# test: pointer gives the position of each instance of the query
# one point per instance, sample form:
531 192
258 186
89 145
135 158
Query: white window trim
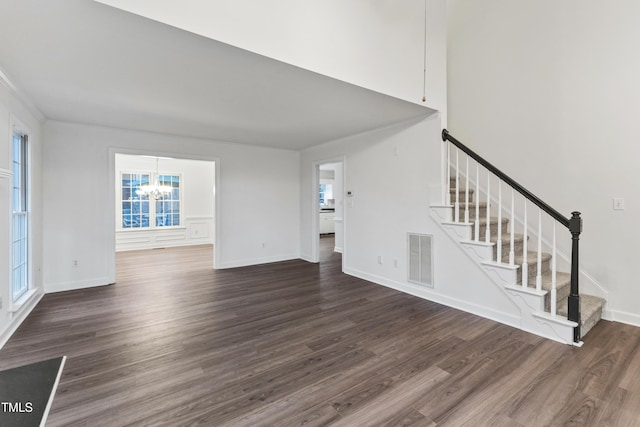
18 128
152 207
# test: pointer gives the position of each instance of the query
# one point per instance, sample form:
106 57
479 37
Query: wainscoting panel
196 231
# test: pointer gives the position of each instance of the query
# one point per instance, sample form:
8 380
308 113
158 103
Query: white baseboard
430 295
19 317
306 257
72 286
257 261
623 317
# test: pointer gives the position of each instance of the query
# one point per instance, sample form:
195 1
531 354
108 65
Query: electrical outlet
380 259
618 204
395 262
74 263
0 302
264 245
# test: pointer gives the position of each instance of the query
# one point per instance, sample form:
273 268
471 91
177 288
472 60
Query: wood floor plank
177 343
383 408
310 402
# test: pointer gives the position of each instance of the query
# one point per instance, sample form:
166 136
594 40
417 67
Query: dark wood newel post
575 227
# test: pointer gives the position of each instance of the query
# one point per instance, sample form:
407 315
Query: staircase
527 274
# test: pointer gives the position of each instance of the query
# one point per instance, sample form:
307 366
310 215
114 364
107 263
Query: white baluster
499 242
525 265
448 184
466 194
477 227
487 233
553 273
512 253
457 205
539 272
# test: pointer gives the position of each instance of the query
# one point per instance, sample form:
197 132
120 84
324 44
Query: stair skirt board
534 304
556 329
430 294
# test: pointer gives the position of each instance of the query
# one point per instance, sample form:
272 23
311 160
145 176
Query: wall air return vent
420 259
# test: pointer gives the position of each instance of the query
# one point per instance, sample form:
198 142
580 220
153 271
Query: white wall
197 204
374 44
549 91
257 198
14 112
389 173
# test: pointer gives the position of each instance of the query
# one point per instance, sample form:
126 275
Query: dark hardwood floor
175 343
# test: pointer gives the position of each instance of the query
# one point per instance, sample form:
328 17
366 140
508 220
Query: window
326 193
168 208
138 209
20 220
135 207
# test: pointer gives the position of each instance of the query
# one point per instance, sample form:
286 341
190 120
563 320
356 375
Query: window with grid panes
168 207
142 212
20 226
135 207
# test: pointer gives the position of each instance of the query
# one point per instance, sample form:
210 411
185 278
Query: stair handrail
573 224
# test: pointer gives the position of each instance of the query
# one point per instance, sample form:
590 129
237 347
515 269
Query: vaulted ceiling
81 61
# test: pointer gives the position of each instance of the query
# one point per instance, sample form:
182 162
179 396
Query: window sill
156 229
22 301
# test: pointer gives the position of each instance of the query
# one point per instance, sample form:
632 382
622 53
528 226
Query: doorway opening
163 201
328 239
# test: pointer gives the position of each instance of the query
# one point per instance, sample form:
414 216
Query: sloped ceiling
84 62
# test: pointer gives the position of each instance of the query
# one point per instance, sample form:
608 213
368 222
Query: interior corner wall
257 200
13 110
389 173
549 92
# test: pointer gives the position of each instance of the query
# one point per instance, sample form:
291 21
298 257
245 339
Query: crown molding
19 95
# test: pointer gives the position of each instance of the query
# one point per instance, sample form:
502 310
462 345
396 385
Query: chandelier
154 190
